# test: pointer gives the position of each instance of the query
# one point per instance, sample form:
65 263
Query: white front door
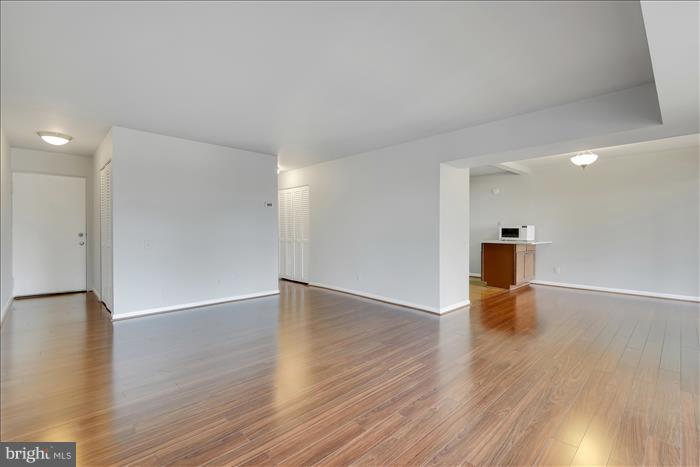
49 242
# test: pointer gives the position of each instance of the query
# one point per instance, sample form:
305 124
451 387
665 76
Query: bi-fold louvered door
106 280
294 234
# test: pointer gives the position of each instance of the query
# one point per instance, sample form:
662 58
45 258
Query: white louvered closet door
282 234
289 236
294 233
106 280
301 217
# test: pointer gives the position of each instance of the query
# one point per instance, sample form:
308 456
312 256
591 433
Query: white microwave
523 233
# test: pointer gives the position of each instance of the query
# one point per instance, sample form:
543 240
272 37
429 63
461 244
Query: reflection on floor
535 376
478 290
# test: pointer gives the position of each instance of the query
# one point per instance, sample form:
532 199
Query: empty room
336 232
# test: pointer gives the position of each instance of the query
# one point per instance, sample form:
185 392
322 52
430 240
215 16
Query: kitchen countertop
518 242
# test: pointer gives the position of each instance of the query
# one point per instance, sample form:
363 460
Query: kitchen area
508 262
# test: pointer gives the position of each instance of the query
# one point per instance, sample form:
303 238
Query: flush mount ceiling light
51 137
584 159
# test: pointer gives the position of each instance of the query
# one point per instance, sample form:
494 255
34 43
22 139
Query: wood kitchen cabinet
507 265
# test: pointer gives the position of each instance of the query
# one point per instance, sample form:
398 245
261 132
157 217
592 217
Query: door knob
82 243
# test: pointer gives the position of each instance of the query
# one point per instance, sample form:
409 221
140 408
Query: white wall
626 222
44 162
454 237
374 225
52 163
5 226
190 222
389 225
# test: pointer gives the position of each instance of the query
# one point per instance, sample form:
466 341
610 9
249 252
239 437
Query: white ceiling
308 81
646 147
487 170
656 146
503 168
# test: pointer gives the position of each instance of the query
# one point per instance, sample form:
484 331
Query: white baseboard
455 306
641 293
186 306
5 309
97 294
393 301
475 274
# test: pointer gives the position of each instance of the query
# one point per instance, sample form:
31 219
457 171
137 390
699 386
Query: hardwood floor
538 376
479 291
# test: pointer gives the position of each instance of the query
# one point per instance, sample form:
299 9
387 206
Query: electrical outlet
146 244
357 276
557 269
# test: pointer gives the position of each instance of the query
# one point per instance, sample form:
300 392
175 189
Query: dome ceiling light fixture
584 159
56 139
